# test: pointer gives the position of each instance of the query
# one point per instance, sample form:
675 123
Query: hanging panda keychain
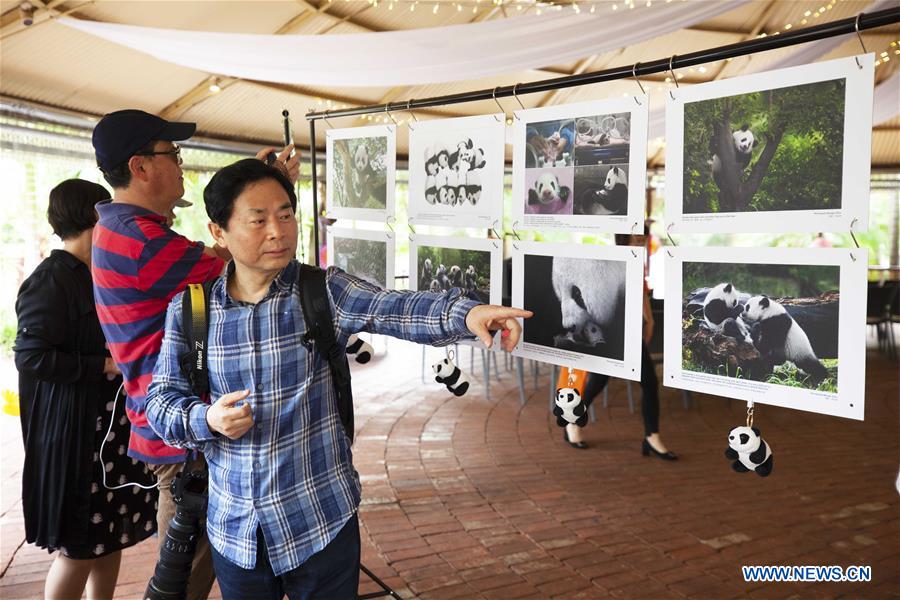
570 406
748 449
446 372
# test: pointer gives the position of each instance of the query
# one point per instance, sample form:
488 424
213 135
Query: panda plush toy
749 451
450 375
361 349
570 408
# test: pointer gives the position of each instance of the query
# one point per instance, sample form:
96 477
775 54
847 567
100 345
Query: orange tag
577 378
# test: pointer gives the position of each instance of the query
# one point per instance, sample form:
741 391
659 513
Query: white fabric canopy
886 105
410 57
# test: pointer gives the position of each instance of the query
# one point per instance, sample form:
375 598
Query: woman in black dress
68 386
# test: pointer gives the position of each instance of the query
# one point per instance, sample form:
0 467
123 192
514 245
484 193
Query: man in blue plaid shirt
283 492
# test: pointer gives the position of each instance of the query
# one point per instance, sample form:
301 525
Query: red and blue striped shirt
138 265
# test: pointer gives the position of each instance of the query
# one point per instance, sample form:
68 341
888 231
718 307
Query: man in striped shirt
283 492
138 265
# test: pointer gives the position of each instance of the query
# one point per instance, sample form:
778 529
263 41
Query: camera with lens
170 579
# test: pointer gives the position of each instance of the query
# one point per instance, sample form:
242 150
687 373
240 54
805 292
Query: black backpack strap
320 329
195 323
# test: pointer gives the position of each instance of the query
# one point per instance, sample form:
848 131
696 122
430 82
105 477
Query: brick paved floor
475 498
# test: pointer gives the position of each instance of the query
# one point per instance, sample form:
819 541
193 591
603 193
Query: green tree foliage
449 257
804 123
775 281
364 258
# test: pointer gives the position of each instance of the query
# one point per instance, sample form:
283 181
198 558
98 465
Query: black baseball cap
120 134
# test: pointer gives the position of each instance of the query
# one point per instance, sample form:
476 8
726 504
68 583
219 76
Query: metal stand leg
606 395
536 370
630 397
553 377
520 371
485 361
385 590
423 364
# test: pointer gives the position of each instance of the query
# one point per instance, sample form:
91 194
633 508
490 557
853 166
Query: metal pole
880 18
315 190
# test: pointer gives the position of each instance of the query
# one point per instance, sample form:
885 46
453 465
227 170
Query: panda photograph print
456 171
360 167
439 264
580 167
586 302
786 327
786 150
364 253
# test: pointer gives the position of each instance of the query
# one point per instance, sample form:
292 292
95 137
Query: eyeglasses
176 153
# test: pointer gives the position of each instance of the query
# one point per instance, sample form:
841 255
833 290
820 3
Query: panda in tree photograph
601 190
586 311
441 269
770 150
359 179
549 191
772 323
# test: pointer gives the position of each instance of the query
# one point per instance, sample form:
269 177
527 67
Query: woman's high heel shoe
579 445
647 449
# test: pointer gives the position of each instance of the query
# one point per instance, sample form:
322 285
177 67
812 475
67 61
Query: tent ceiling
59 67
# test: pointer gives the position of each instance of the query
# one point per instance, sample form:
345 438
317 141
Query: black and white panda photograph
601 190
368 255
578 304
773 323
456 171
360 171
776 149
440 269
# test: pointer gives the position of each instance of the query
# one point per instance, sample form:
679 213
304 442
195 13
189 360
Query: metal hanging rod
846 26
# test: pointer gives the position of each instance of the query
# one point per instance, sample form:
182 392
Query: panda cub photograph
585 313
549 191
441 269
771 323
359 179
769 150
453 170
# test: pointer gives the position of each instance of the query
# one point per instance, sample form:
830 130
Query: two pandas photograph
772 323
780 326
580 166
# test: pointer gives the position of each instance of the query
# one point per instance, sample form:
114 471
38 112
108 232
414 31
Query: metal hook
325 118
390 116
517 100
390 223
669 252
856 26
674 77
633 253
749 413
503 110
668 235
638 81
633 227
852 223
411 114
412 231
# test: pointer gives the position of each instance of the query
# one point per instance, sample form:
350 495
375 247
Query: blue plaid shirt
292 472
